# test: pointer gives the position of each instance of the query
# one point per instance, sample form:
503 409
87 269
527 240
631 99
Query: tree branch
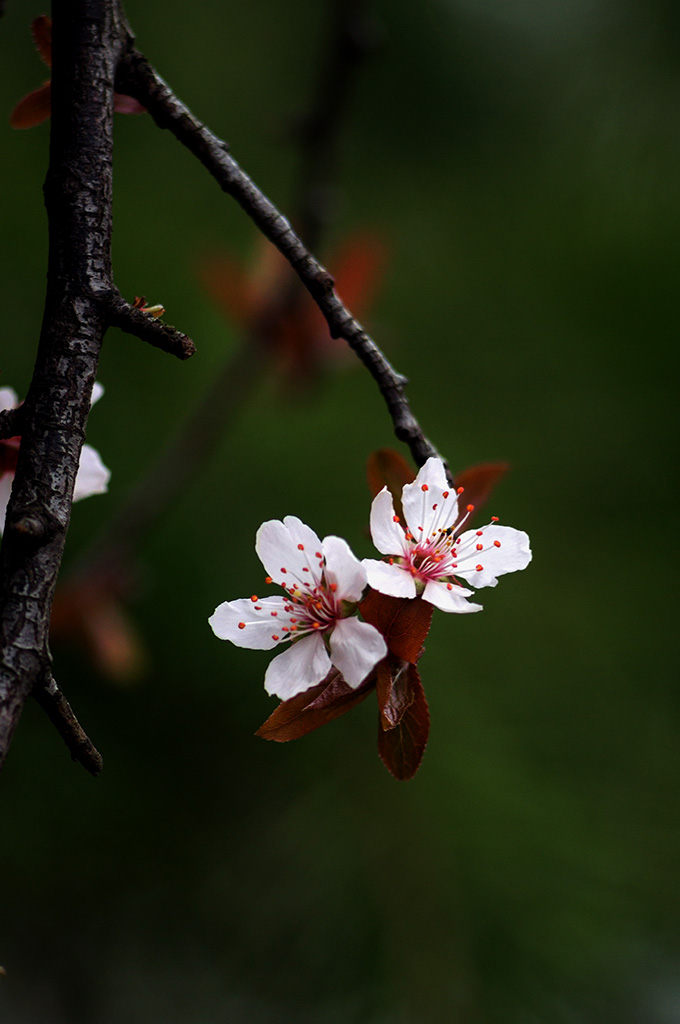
137 78
146 327
58 710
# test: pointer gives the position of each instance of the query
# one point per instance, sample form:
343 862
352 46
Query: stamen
424 487
496 543
283 569
470 508
275 636
241 625
254 598
479 568
459 490
480 547
301 547
396 519
445 494
494 519
268 579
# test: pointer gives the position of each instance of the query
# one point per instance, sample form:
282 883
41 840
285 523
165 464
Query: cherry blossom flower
92 478
428 555
323 581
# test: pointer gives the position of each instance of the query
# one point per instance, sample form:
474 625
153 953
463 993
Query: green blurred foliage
522 162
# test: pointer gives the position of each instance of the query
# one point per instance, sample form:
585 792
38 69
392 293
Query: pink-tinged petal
454 600
343 569
430 503
124 104
356 648
6 481
8 399
93 476
503 550
289 551
389 579
97 392
388 536
304 664
256 625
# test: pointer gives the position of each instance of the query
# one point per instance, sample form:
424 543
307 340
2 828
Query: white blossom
92 477
323 581
428 555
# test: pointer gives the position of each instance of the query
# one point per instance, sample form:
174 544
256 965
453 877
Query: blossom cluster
426 556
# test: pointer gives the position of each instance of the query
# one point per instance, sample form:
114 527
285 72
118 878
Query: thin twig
58 710
138 78
146 327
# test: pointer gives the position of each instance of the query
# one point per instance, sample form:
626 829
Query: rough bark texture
78 201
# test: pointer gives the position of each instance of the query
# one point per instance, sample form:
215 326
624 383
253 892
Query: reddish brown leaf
33 109
358 268
401 746
478 483
313 708
41 30
387 468
404 622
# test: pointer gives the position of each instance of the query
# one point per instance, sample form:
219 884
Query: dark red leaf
33 109
401 746
387 468
478 483
41 30
313 708
404 622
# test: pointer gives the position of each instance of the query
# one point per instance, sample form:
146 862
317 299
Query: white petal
97 392
388 536
93 476
512 555
453 600
356 647
389 579
289 551
430 503
6 481
304 664
344 569
263 622
8 399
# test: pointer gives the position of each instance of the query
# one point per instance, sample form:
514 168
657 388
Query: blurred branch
137 78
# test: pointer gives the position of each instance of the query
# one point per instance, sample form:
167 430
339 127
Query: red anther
258 607
305 569
301 547
283 570
241 625
274 614
479 568
275 636
445 494
268 579
391 561
316 625
449 586
424 487
293 620
479 533
494 519
480 547
434 506
254 598
333 587
496 543
396 519
317 554
459 490
470 508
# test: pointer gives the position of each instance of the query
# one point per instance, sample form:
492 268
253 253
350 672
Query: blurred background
502 192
